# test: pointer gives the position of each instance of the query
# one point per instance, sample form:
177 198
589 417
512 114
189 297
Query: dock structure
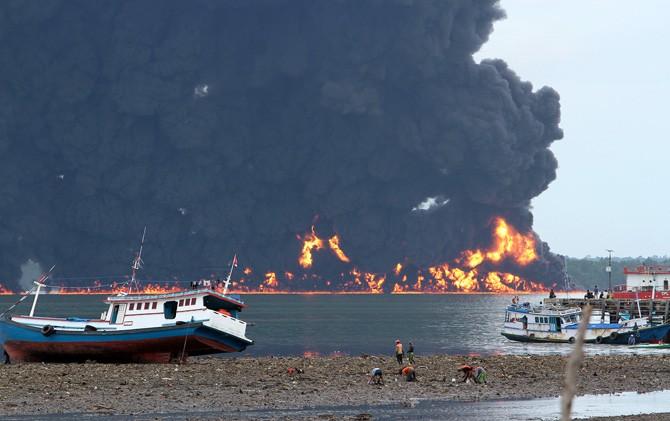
658 311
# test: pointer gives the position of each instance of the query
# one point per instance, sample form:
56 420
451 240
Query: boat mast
230 274
137 264
40 284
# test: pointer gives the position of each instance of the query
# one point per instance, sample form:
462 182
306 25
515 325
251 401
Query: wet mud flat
263 386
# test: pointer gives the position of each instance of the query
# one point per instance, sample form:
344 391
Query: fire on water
463 275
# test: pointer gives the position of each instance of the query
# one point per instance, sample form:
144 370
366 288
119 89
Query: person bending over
409 373
376 376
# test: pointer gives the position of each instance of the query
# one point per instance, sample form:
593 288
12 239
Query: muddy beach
228 385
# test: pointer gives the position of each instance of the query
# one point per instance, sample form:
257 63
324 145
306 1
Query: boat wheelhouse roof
221 301
546 309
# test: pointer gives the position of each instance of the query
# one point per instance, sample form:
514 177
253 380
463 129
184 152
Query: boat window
193 301
132 306
170 309
153 305
535 319
181 303
139 306
146 305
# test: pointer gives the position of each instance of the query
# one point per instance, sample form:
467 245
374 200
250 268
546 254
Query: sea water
357 324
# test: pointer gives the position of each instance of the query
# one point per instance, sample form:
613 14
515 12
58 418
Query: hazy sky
609 62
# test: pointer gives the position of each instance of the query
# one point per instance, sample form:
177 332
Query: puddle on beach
587 406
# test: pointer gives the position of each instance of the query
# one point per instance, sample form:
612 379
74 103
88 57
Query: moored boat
554 323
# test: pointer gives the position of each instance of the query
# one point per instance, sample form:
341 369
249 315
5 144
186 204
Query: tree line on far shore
587 272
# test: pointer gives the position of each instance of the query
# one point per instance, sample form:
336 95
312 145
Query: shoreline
245 384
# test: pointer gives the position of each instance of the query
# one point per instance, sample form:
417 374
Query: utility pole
608 269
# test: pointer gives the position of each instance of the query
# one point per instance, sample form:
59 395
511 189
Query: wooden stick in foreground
573 365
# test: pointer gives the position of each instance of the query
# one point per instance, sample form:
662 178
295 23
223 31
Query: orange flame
5 291
510 243
469 273
334 243
310 242
271 283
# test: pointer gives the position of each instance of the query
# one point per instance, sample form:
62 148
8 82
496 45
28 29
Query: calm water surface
358 324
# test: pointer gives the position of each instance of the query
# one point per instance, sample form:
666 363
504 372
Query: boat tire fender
599 339
48 330
571 340
614 335
89 328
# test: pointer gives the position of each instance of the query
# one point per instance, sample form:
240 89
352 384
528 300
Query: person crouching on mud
398 351
476 374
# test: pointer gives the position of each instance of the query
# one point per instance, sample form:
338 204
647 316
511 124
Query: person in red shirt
409 373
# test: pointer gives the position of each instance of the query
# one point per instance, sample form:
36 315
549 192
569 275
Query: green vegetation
590 271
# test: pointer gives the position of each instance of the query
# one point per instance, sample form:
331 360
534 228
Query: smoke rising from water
230 126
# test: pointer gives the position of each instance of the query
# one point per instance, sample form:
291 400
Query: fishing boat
525 322
134 328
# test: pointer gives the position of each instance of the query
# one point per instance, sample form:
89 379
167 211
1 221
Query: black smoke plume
230 126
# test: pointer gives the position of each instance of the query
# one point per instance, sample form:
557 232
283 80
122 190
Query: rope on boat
18 302
183 350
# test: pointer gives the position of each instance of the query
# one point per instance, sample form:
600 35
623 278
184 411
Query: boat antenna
137 264
226 284
40 283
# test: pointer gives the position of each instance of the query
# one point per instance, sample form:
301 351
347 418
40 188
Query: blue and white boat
135 328
554 323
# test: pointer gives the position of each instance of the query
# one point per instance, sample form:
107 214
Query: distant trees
590 271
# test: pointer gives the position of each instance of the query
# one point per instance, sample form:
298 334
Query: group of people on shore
407 371
475 373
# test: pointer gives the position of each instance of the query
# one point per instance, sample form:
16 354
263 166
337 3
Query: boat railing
226 323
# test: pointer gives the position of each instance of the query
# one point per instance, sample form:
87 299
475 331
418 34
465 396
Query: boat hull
526 338
162 344
643 335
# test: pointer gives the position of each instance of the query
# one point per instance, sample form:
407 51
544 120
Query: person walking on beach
398 351
376 376
410 353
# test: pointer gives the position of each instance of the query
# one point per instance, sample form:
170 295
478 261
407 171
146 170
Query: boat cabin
152 310
646 278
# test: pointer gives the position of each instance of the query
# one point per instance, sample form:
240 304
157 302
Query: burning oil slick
226 126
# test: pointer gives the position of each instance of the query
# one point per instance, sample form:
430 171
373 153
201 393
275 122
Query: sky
608 60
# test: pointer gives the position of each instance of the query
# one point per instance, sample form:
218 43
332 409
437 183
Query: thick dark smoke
230 126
